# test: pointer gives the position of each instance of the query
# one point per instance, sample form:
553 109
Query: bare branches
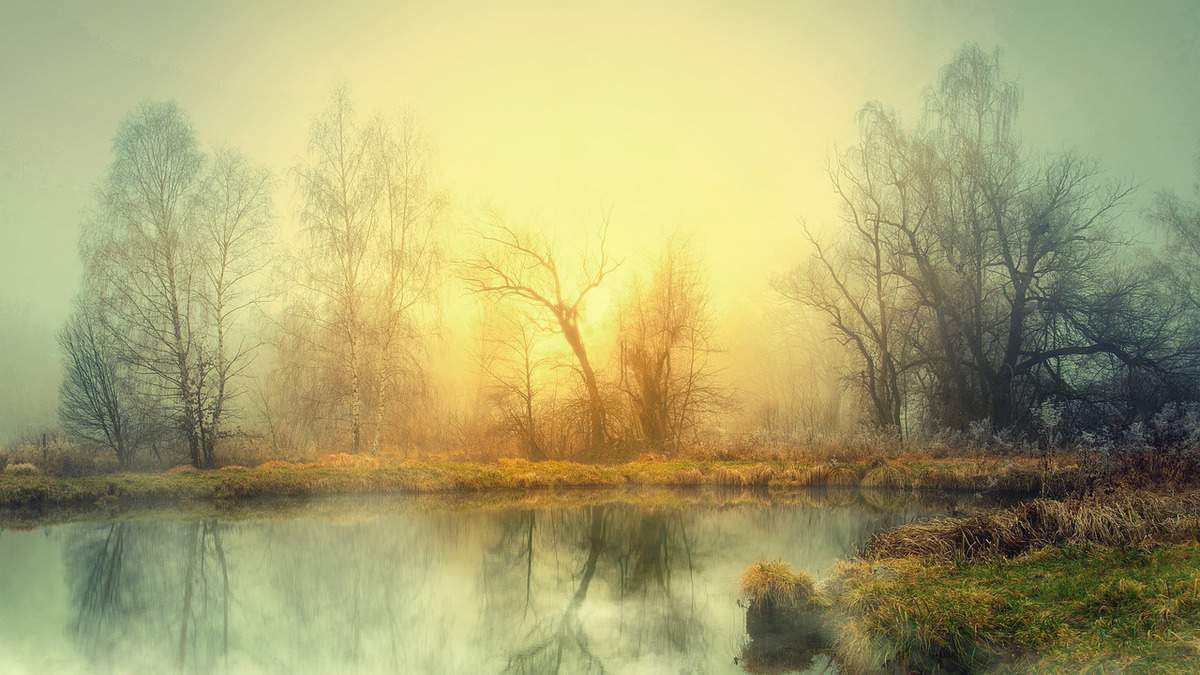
170 261
512 264
668 373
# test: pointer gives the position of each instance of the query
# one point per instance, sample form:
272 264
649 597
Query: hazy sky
713 120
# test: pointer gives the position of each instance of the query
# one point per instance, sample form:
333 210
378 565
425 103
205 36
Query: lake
582 582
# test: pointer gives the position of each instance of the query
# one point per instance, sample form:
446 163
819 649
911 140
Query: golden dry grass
342 473
22 469
775 585
1123 518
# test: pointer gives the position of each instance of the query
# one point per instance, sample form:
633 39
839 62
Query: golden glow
707 120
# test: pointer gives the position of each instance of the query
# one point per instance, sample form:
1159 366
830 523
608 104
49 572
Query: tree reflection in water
393 586
634 555
126 575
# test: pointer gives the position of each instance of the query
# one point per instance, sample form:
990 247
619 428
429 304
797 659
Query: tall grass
1120 518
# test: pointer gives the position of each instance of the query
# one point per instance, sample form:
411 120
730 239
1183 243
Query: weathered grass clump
828 475
347 459
1123 518
22 469
773 586
785 619
890 475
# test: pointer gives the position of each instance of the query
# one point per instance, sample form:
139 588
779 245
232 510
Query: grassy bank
1064 608
347 474
1103 583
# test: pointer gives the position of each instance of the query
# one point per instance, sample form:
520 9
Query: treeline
973 283
977 281
185 290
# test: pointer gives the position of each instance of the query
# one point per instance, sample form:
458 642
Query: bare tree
410 211
168 263
668 373
144 260
515 365
234 215
1180 219
519 266
860 302
970 267
340 185
370 268
96 398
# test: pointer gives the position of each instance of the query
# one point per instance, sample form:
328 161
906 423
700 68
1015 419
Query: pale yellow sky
712 120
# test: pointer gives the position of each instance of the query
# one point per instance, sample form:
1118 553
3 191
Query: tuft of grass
772 586
892 475
22 469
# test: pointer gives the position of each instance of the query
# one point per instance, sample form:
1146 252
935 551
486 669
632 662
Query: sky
709 120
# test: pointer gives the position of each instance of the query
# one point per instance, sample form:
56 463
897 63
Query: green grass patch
1070 608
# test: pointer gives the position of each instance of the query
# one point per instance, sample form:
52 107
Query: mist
702 129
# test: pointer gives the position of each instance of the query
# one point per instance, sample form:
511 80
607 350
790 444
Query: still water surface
413 585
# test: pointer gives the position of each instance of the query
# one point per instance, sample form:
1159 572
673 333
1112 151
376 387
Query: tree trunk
597 436
355 400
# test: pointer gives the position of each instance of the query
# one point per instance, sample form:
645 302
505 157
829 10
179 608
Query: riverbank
350 474
1098 584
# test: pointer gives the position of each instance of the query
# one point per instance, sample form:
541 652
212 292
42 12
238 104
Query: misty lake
582 584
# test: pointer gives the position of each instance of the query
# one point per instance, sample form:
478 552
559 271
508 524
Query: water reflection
396 586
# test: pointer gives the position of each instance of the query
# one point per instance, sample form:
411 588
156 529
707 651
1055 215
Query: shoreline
362 475
1104 581
490 501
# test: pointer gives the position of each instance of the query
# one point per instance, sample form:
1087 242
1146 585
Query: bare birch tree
341 188
145 260
409 212
233 218
168 267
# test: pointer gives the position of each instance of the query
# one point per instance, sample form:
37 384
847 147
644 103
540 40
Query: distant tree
144 260
859 298
1180 220
341 189
987 276
167 266
234 215
515 365
668 373
410 213
97 398
516 265
370 265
